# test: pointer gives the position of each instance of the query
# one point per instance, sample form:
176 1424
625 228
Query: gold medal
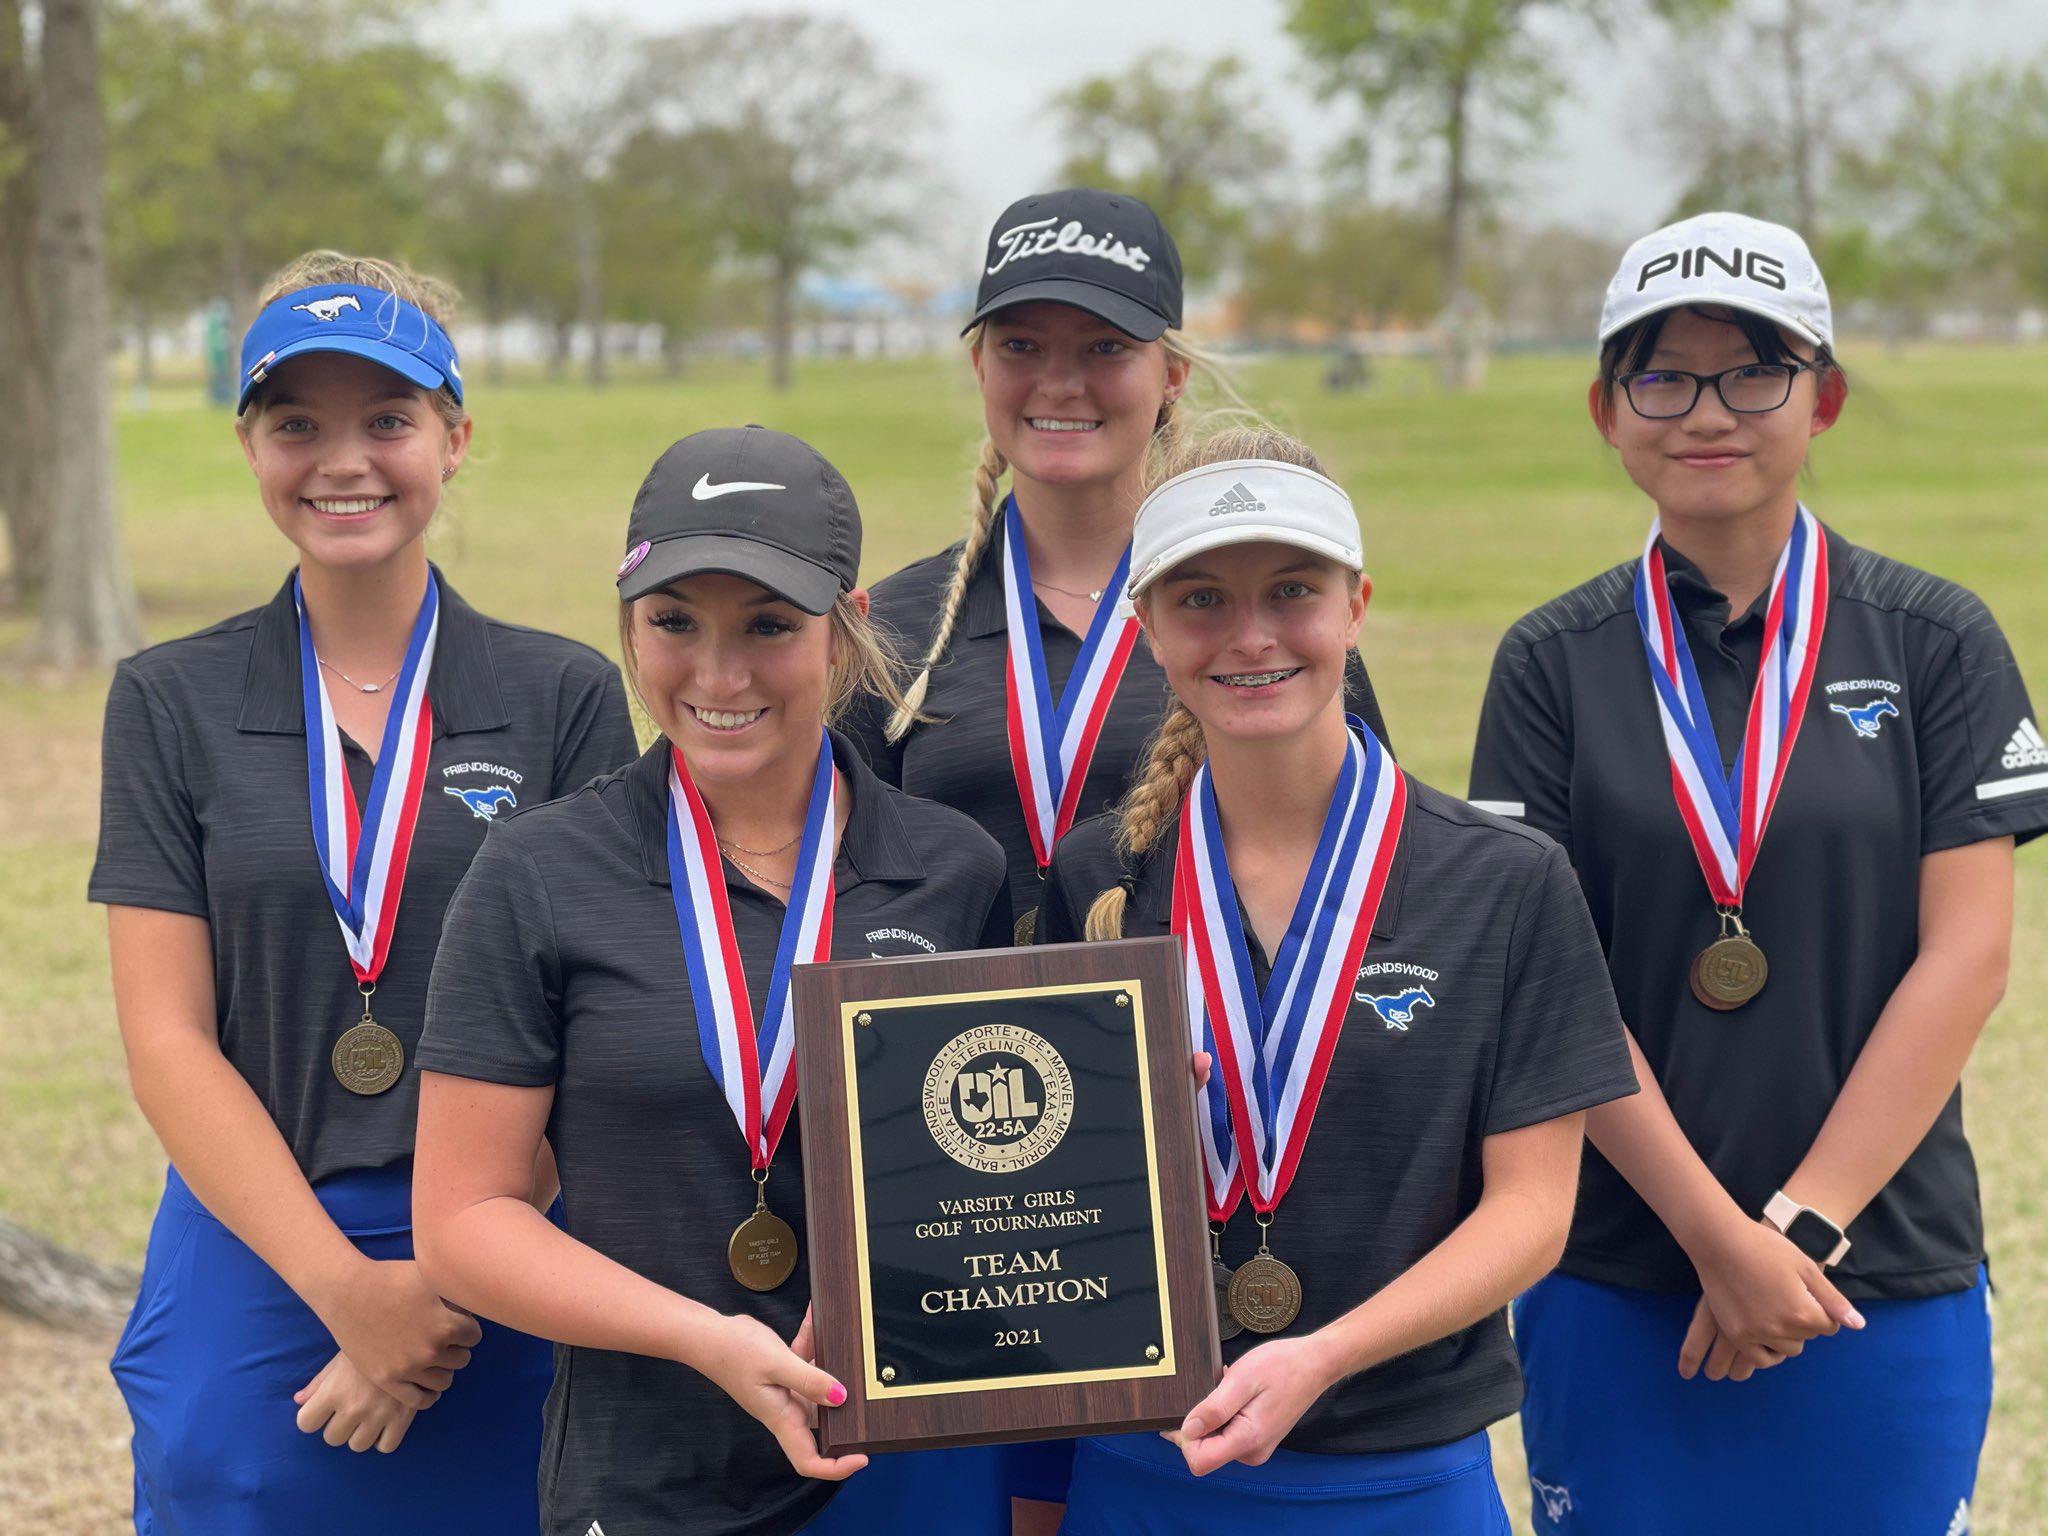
762 1249
1026 929
1265 1295
368 1059
1731 970
1227 1326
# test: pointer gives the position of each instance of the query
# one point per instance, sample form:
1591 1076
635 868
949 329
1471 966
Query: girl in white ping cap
1790 774
1407 1015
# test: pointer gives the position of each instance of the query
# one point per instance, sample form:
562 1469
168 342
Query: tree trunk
781 321
24 398
1463 360
590 293
672 351
1793 39
89 609
40 1280
145 349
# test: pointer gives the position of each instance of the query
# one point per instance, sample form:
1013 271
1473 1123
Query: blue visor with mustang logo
365 322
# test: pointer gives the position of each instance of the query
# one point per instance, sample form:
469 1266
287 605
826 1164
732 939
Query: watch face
1814 1235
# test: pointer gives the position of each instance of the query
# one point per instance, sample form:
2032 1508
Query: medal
1227 1325
1026 929
1051 746
363 856
762 1249
755 1072
1272 1048
1727 812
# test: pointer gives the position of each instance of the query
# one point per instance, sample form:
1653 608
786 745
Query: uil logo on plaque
998 1098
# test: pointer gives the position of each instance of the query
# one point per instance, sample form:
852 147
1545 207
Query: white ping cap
1242 501
1722 258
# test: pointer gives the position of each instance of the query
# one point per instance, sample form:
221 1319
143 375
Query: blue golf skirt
1875 1432
217 1345
960 1492
1139 1485
1039 1469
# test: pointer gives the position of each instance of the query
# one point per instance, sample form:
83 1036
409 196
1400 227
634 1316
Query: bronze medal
1265 1295
368 1059
1729 972
1026 929
1227 1325
762 1251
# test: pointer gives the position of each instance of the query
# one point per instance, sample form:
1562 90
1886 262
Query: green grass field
1475 510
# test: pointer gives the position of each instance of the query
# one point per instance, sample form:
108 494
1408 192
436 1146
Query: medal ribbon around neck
1725 813
754 1073
363 859
1272 1050
1051 746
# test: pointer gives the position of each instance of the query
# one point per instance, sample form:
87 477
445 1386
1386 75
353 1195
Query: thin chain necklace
1093 597
759 877
362 687
760 853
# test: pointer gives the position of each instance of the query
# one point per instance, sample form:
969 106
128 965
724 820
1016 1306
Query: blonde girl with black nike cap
289 799
587 992
1784 768
1406 1012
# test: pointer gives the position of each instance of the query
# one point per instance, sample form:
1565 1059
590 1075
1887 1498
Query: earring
447 473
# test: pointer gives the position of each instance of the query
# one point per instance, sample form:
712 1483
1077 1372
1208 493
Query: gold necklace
1093 597
760 853
759 877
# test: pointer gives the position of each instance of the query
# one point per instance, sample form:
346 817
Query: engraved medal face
1729 972
1227 1325
998 1098
1026 929
368 1059
762 1251
1265 1295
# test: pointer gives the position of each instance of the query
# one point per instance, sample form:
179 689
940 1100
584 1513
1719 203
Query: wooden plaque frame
878 1417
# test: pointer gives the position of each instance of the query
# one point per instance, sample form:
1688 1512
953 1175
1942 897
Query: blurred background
1397 218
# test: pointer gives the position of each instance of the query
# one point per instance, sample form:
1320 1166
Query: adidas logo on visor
1237 499
2026 749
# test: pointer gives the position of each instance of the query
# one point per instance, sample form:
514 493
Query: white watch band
1781 1210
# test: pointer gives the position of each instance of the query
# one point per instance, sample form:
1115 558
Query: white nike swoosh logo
704 490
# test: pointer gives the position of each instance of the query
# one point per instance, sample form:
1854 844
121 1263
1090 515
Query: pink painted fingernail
837 1396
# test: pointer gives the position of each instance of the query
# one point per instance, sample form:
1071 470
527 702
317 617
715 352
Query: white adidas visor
1242 501
1728 259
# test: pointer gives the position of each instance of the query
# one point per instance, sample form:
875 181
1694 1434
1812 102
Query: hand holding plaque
1006 1219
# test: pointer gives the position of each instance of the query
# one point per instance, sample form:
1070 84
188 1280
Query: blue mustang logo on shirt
1398 1011
1867 717
485 802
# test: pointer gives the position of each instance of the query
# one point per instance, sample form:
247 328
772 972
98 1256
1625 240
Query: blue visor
365 322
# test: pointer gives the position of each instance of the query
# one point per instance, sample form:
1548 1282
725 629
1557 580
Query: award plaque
1007 1235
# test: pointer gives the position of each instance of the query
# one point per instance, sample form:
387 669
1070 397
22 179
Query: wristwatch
1811 1233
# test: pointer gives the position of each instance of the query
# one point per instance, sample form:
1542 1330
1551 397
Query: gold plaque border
878 1389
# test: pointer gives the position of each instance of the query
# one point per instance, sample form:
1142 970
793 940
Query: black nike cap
1105 252
749 502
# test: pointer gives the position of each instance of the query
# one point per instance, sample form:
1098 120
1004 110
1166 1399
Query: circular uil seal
998 1098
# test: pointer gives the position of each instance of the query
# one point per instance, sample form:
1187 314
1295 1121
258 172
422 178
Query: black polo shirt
961 757
1519 1027
1917 737
562 965
203 809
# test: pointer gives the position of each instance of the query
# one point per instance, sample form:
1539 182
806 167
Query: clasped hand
1761 1300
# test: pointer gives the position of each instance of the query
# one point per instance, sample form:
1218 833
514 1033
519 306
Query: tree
804 138
24 397
1348 264
1185 137
660 261
1465 83
89 610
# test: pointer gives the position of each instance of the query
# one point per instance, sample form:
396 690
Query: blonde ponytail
1148 808
988 475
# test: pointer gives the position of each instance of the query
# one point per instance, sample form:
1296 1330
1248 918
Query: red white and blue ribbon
756 1071
1726 812
1272 1049
363 858
1052 745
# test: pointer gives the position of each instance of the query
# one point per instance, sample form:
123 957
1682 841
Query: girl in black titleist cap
1407 1012
288 801
1790 774
615 977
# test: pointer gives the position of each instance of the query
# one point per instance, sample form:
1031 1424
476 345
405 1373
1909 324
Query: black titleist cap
749 502
1103 252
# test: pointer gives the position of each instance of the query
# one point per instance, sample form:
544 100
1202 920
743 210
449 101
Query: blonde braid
1149 808
988 474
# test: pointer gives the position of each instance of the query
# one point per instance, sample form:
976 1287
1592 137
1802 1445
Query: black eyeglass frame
1701 380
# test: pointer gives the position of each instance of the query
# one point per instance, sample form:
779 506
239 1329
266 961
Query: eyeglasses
1663 393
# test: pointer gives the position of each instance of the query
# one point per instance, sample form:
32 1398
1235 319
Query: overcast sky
991 67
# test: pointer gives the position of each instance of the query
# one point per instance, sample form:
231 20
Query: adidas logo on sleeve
2026 749
1237 499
